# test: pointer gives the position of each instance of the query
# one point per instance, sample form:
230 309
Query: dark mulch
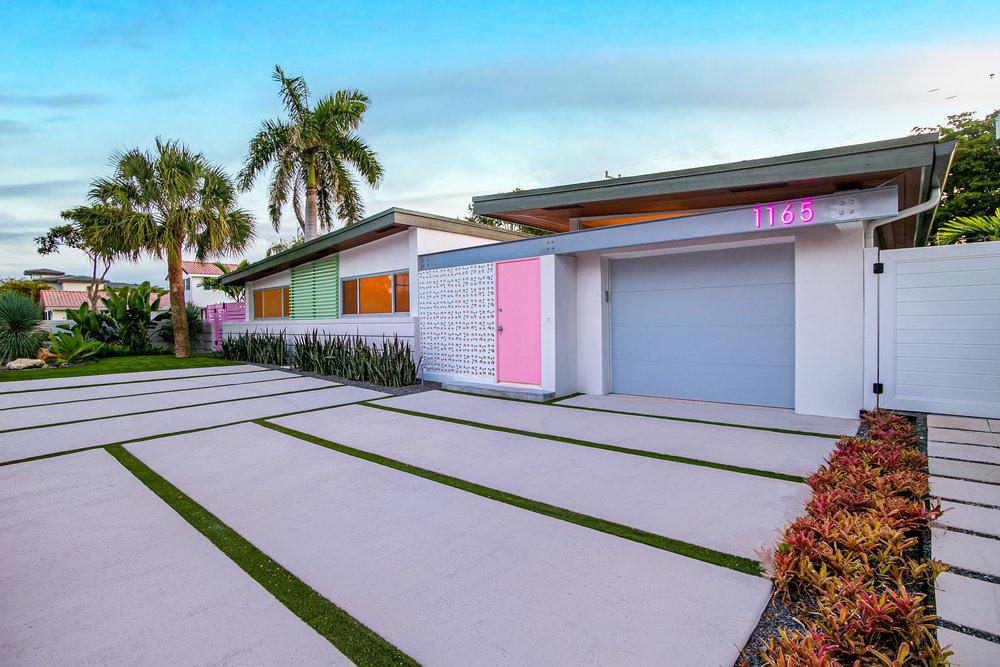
397 391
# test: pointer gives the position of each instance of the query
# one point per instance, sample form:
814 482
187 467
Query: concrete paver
731 512
994 425
16 445
141 376
973 492
964 423
59 396
969 651
454 578
971 517
109 407
963 437
976 453
778 452
970 602
747 415
977 472
979 554
95 569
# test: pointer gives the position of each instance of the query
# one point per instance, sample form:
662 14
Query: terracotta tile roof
192 267
64 299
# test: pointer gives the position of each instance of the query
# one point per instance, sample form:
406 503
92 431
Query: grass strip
597 445
179 407
109 384
738 563
150 394
349 635
129 364
50 455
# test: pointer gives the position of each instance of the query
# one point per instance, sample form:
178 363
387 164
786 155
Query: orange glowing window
375 294
402 292
270 303
351 297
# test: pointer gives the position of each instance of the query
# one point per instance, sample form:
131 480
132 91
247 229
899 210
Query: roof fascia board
740 174
869 204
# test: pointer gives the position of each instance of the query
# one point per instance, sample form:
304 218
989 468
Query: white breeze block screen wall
457 309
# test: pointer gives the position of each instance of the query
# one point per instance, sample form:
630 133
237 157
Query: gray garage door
710 326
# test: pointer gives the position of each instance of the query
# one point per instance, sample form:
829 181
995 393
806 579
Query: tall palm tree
315 154
970 228
163 202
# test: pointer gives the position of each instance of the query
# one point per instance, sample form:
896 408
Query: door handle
500 329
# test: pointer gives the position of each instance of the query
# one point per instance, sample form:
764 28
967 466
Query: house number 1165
794 213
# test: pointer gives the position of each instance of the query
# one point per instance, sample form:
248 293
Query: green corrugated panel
315 290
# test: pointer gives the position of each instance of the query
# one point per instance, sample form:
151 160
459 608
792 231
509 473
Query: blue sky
469 98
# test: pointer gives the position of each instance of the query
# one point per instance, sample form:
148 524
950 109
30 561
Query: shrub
130 309
195 324
72 347
388 363
851 566
257 347
93 323
19 319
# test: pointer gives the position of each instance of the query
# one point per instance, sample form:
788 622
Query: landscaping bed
853 577
143 362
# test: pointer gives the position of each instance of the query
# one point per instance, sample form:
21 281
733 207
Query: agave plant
19 319
970 228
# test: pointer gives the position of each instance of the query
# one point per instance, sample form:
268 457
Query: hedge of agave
851 568
388 363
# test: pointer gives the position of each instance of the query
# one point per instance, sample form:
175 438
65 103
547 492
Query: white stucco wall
201 297
829 320
591 351
389 254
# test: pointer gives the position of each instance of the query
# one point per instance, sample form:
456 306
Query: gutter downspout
871 225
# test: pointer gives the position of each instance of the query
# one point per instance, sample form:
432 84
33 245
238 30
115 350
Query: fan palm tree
234 292
163 202
315 154
970 228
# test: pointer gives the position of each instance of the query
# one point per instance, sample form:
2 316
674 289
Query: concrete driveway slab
969 651
95 569
747 415
970 602
16 445
60 396
777 452
122 405
971 517
963 437
956 489
730 512
979 554
454 578
977 472
963 423
976 453
111 378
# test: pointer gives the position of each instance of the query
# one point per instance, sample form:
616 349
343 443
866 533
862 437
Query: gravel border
421 385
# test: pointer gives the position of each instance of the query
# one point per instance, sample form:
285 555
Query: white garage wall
591 352
829 320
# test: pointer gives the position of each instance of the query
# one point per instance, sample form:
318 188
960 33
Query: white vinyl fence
939 329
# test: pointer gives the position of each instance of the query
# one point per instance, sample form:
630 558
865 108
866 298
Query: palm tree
162 203
970 228
234 292
315 153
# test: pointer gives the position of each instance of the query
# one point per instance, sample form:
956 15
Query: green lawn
148 362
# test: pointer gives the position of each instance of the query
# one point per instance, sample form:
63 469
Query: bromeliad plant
851 568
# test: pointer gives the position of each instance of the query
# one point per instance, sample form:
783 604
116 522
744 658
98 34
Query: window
376 295
270 303
187 284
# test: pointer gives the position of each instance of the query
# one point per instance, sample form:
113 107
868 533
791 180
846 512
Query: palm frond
970 228
294 93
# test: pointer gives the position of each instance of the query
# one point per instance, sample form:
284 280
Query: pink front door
519 321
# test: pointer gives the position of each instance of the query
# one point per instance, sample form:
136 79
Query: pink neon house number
784 213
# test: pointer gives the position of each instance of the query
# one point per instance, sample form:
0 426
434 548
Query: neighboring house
55 303
356 280
58 280
195 273
751 282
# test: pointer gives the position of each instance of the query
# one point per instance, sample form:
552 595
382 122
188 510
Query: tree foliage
161 203
234 292
101 250
970 228
973 186
28 288
315 156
